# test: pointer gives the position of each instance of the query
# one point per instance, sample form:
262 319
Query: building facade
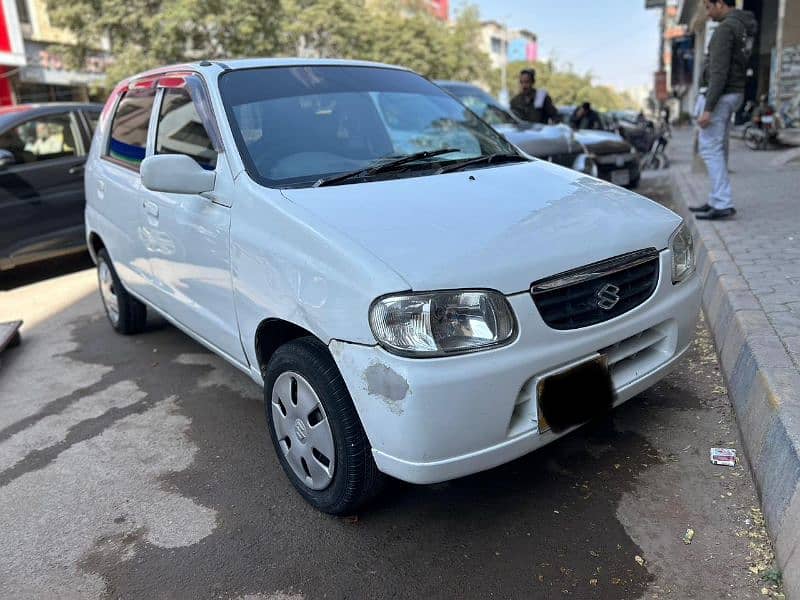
504 45
31 66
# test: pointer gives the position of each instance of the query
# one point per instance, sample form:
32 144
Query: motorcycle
650 141
763 130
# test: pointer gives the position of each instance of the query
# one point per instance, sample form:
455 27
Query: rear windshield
296 125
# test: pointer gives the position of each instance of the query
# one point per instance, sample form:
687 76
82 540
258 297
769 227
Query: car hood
540 140
602 142
501 228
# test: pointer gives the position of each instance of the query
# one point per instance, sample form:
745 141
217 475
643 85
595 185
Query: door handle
76 169
101 185
151 208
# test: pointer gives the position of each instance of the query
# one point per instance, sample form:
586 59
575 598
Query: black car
616 159
43 148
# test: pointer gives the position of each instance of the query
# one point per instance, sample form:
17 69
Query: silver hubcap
303 430
107 292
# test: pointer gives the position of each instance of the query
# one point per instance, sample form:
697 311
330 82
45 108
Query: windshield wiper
384 165
489 159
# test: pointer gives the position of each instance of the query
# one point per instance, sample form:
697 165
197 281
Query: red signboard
441 8
661 86
5 36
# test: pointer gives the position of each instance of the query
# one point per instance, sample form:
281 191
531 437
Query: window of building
497 45
129 127
22 11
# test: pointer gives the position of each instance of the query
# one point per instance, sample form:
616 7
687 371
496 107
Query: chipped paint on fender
388 385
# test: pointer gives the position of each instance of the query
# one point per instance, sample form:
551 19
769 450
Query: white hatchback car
416 296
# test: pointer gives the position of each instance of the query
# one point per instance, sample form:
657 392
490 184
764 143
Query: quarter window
129 127
181 130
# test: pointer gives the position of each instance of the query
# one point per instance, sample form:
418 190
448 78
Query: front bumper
608 164
430 420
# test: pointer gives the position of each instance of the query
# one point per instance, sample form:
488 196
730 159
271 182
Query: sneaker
705 208
715 213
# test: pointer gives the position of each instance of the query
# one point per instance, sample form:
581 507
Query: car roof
254 63
23 112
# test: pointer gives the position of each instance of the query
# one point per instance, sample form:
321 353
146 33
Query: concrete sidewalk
750 266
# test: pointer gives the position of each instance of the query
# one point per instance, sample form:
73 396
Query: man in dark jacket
725 77
531 104
585 117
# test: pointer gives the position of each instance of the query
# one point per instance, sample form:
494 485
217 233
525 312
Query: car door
117 189
187 235
41 187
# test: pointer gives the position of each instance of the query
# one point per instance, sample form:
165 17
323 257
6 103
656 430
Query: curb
763 384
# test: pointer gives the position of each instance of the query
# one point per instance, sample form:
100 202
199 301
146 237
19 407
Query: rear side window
181 130
129 127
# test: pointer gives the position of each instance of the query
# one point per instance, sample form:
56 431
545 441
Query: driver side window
40 139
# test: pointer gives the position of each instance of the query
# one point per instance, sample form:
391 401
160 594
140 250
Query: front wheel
315 429
125 313
754 138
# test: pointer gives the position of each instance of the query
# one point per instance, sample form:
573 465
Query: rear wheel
125 313
316 431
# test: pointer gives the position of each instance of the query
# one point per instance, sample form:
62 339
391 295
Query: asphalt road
140 467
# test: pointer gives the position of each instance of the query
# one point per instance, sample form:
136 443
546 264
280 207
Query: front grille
597 292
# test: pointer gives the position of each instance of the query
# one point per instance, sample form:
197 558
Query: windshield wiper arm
497 158
384 165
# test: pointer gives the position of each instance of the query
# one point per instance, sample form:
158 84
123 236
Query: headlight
442 323
682 247
584 163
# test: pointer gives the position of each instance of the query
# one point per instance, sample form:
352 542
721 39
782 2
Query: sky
617 40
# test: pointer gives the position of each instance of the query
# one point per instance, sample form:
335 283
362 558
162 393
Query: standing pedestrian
725 77
531 104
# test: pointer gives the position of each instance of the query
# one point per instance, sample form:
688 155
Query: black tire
356 479
634 183
132 314
753 138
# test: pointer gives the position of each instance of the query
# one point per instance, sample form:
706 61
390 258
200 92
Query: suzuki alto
417 297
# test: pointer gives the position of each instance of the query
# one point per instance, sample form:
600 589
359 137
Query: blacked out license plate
575 395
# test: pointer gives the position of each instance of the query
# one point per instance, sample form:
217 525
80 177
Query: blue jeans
713 142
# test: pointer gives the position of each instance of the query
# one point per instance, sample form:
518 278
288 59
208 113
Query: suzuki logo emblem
607 296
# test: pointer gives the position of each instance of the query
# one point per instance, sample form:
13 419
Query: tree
566 87
146 33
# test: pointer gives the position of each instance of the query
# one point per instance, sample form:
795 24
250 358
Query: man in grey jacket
725 77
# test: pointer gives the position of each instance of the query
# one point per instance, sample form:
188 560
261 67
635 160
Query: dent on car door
41 187
188 234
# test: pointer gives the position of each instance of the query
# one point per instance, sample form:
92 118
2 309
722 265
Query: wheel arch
271 334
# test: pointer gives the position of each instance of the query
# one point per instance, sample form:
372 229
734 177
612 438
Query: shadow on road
36 272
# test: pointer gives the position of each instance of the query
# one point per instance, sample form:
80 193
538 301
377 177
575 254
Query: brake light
172 82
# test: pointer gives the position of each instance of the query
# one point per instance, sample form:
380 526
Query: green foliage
147 33
565 87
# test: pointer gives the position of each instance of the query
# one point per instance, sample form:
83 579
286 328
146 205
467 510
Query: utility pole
504 65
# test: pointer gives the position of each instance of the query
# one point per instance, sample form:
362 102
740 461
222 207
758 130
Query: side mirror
176 173
6 158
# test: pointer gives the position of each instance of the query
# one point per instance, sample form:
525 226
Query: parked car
617 160
424 315
554 143
43 148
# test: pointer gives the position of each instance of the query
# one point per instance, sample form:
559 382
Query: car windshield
296 125
482 104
